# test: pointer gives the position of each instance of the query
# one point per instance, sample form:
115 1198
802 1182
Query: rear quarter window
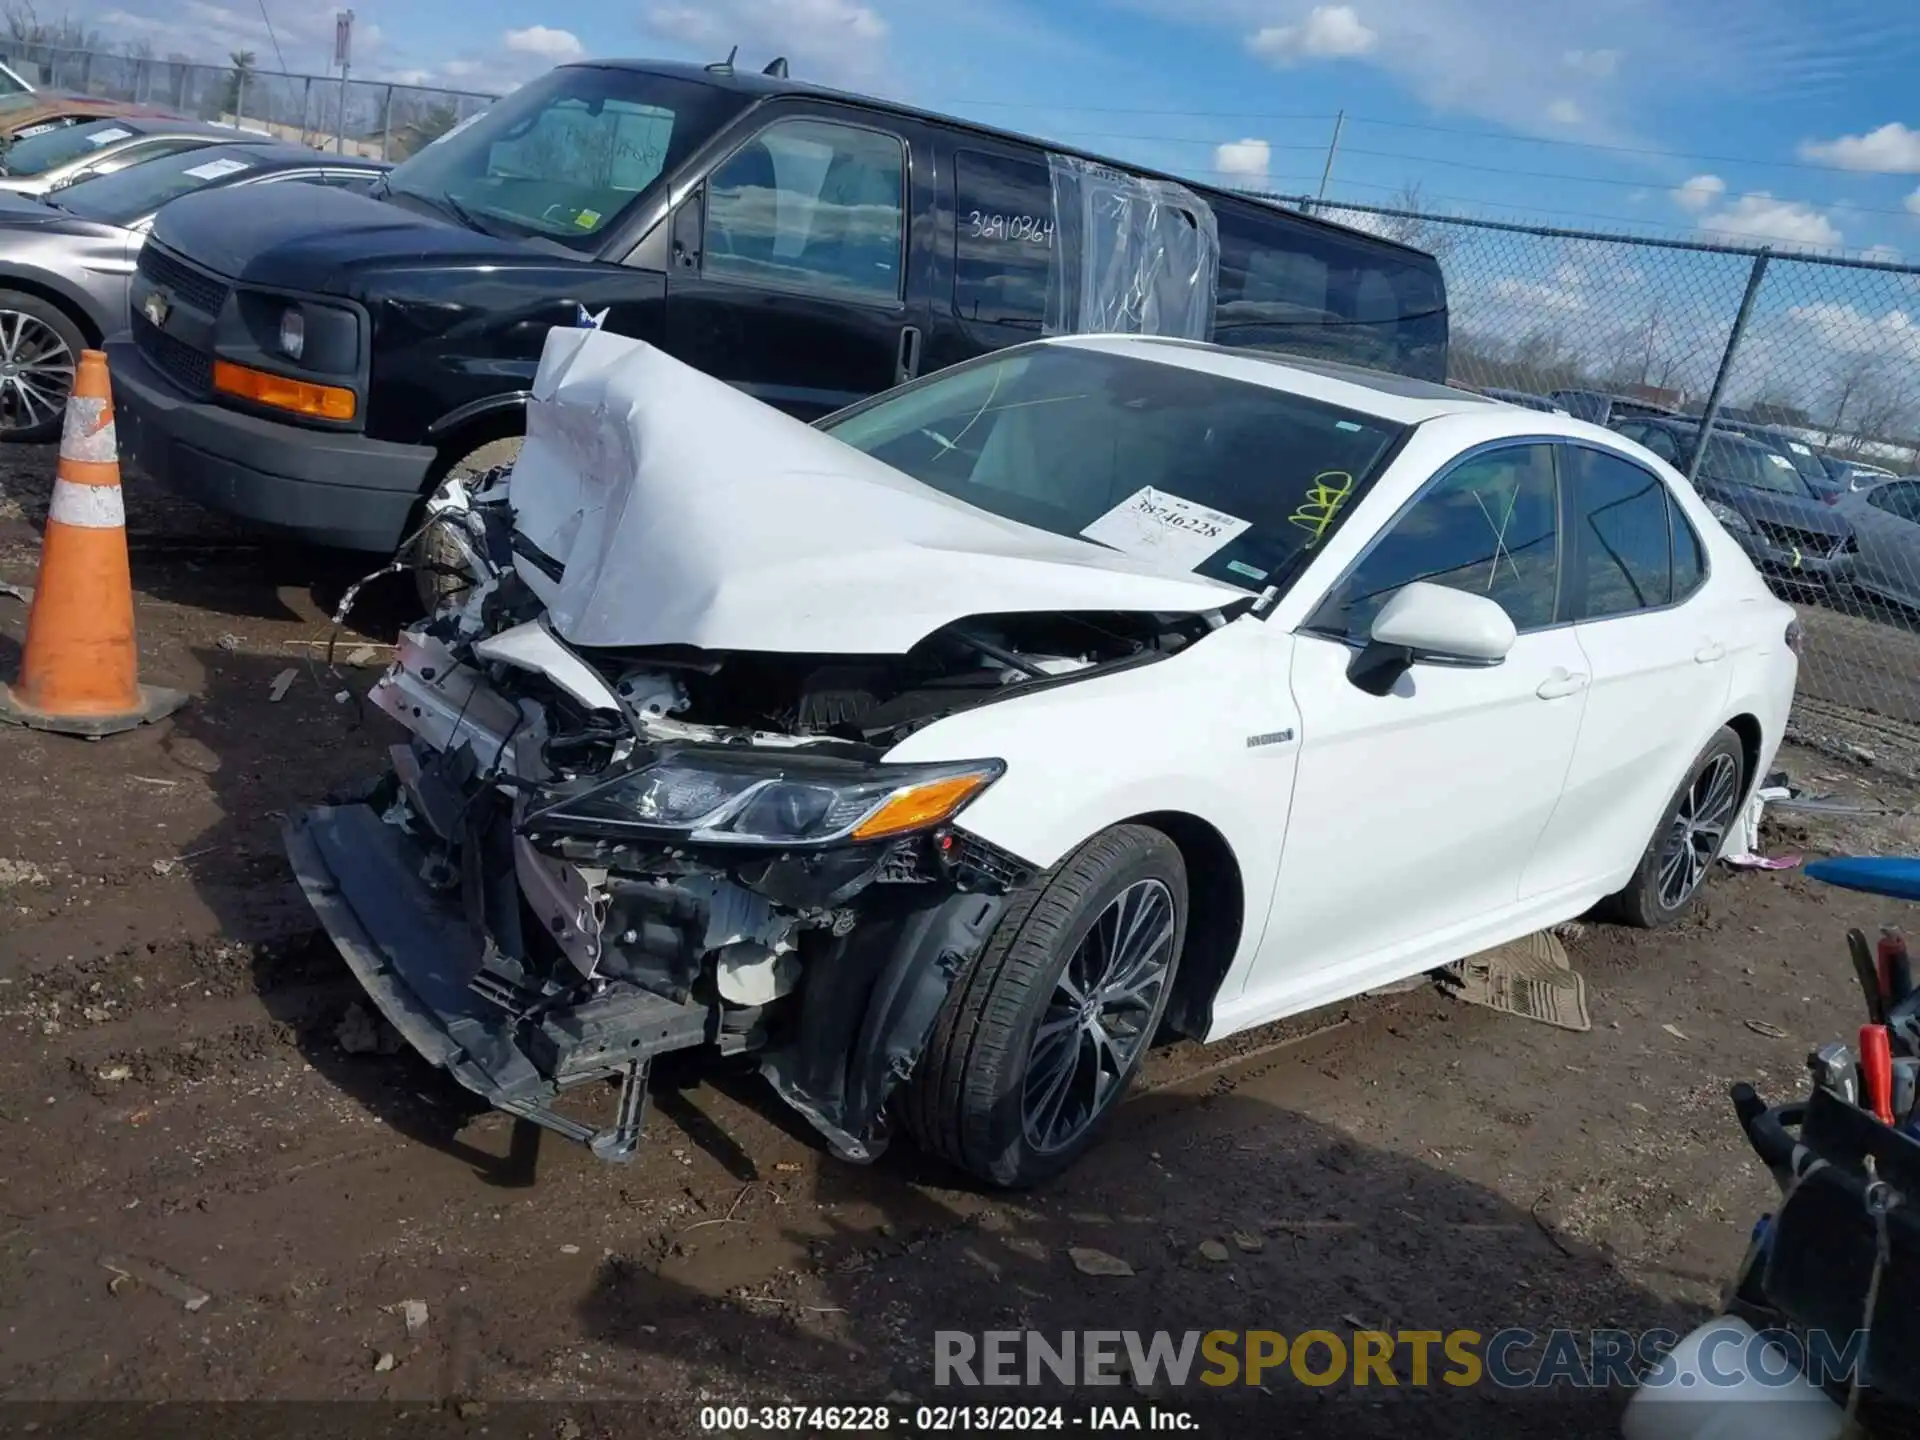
1292 287
1003 234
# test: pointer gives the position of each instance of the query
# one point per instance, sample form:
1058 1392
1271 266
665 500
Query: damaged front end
561 878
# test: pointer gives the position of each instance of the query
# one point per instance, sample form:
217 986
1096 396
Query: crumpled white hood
687 513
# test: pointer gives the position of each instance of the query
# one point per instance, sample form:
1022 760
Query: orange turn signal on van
323 402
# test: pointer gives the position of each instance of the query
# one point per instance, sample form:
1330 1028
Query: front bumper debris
415 955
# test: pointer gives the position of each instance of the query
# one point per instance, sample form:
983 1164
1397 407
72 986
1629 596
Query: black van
313 360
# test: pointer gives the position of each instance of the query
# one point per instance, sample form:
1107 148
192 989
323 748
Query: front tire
440 575
1040 1038
39 347
1688 839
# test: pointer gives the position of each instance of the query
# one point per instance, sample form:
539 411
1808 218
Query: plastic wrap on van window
1131 255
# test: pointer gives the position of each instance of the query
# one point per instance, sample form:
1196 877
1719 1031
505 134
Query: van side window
1002 240
810 205
1285 285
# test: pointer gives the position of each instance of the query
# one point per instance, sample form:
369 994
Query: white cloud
1564 112
1913 203
1330 32
1893 149
1697 194
1848 329
1759 216
1598 63
1884 253
835 42
1243 159
553 46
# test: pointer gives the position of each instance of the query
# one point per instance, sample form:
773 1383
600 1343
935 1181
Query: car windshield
1742 462
1188 470
131 194
49 150
565 156
1805 463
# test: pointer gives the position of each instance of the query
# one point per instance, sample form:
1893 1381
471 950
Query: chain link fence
374 119
1785 384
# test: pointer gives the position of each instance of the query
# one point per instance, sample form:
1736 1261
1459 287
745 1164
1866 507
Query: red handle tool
1876 1072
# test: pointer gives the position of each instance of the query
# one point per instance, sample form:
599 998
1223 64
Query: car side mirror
1430 623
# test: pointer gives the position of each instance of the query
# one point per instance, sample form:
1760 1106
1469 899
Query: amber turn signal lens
917 806
282 392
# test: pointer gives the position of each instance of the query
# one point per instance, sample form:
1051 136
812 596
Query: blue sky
1780 120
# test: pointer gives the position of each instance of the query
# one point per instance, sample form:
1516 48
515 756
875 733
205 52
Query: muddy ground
176 1110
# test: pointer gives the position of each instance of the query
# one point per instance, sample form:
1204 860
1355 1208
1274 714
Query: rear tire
1040 1038
440 576
1688 839
39 347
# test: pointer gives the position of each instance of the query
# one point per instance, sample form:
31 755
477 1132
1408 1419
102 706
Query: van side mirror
1428 622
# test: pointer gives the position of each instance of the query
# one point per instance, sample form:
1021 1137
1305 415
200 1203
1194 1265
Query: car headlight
293 333
763 797
1727 516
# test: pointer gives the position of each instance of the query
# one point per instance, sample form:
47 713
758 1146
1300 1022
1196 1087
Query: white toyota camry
942 754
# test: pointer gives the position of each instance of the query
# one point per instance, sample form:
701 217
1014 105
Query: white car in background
941 752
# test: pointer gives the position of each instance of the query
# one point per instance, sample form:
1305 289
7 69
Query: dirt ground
179 1120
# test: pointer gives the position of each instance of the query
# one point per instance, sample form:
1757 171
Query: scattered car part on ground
937 753
809 247
66 259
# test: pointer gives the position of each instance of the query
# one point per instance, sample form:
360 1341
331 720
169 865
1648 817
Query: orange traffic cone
80 672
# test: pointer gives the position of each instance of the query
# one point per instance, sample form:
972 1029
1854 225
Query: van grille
183 365
202 292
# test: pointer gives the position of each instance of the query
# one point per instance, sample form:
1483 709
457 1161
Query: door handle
1708 653
907 361
1561 684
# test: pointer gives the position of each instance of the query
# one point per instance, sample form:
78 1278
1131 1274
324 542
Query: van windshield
566 155
1188 470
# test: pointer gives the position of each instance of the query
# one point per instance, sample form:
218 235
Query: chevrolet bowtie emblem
156 307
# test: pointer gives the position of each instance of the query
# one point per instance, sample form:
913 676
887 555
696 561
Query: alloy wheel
1699 829
36 372
1099 1017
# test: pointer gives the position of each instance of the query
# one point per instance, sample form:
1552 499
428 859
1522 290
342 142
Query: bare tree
1415 224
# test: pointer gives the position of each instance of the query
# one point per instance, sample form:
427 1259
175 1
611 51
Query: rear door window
1002 240
1286 285
1623 548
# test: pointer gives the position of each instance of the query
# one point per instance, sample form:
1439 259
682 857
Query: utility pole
342 56
1333 147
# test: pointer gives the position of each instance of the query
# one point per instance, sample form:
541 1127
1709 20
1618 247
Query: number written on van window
1034 229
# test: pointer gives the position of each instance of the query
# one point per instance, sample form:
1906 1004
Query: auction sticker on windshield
214 169
107 137
1155 525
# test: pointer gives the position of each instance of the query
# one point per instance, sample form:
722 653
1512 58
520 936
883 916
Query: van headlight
293 333
724 795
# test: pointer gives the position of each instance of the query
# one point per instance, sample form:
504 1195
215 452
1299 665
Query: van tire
969 1101
438 577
